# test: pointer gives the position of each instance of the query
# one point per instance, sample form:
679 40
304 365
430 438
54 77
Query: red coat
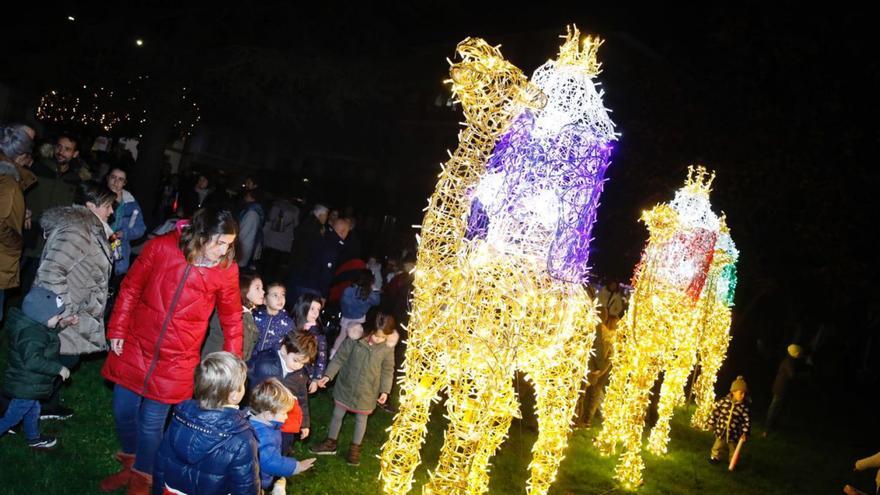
162 314
294 419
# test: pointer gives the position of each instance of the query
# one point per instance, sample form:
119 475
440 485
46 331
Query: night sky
778 99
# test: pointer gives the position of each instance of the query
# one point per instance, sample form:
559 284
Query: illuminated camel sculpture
714 324
502 255
657 334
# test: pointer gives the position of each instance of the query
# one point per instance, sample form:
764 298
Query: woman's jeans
140 423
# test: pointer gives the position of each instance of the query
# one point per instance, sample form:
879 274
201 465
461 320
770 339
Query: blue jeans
22 409
140 423
2 302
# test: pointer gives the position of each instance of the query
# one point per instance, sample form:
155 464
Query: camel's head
490 89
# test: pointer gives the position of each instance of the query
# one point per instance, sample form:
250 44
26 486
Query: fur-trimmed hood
22 175
391 340
68 215
9 168
76 264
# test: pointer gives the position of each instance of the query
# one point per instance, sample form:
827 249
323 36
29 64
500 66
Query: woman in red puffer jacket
157 328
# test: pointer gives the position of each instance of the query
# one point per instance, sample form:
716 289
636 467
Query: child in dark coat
730 420
33 362
210 446
306 318
273 322
270 401
288 365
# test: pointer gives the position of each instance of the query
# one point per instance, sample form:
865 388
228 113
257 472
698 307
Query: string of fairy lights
502 257
108 109
672 320
714 324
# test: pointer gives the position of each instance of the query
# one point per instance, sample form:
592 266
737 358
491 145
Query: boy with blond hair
210 446
270 401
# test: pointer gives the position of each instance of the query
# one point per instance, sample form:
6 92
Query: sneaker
42 443
60 413
327 447
713 460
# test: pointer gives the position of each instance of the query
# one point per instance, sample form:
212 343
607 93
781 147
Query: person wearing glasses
128 223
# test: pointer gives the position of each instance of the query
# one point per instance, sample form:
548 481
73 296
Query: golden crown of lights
580 52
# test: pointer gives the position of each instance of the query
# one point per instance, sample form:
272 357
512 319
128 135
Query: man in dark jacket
306 238
326 256
57 180
316 273
33 362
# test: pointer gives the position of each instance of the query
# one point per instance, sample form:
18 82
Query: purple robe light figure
514 299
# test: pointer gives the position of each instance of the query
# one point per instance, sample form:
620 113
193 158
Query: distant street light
70 18
139 42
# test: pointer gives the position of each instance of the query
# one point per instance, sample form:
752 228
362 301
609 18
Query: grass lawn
796 462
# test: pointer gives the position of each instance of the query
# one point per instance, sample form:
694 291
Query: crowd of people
191 329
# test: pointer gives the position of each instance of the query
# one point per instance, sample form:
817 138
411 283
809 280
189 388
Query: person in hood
210 446
157 327
365 368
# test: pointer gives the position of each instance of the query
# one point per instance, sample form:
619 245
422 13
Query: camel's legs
710 362
671 394
556 389
479 411
400 454
637 395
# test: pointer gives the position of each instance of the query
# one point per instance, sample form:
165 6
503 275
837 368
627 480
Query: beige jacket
75 264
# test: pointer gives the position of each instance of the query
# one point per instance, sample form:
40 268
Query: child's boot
327 447
140 483
354 455
118 480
